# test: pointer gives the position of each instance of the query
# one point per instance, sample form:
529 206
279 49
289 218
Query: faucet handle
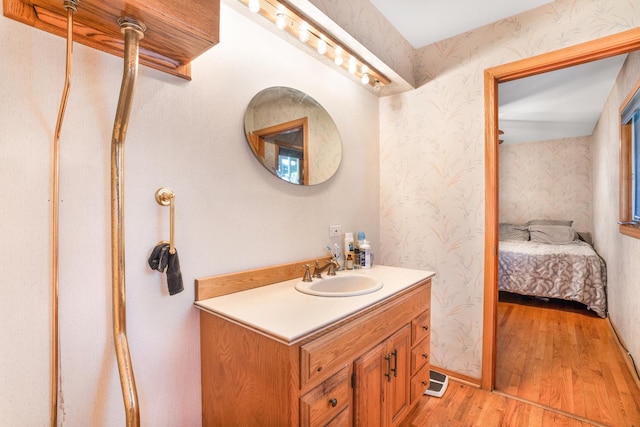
307 273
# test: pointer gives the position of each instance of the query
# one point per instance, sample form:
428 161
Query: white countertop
285 314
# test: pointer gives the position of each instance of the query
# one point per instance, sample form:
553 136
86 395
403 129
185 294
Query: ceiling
424 22
555 105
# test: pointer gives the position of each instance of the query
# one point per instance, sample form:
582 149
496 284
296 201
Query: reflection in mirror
293 136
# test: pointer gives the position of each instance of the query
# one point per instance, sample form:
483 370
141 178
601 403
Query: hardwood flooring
558 365
560 355
466 406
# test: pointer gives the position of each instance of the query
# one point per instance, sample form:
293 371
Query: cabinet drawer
326 401
420 355
342 420
419 383
420 327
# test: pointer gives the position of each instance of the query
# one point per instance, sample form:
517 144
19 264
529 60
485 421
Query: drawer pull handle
425 383
425 356
388 373
333 402
395 362
425 327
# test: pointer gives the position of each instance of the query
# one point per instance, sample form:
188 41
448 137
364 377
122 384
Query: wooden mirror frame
605 47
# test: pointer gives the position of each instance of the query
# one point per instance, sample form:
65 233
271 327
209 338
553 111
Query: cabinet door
369 372
383 382
397 391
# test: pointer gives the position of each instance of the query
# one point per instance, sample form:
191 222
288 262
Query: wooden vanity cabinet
367 369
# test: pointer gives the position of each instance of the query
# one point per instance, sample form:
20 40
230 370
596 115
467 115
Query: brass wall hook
166 197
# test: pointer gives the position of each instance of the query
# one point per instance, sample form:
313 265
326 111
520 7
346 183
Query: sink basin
340 285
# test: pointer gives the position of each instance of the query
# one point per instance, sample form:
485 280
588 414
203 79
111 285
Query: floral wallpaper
432 160
549 179
621 252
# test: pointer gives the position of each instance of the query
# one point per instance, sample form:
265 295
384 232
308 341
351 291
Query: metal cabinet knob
333 402
425 327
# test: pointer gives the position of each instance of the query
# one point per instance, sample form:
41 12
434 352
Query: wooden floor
466 406
558 365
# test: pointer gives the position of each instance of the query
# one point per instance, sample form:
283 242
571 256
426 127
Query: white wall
432 160
231 214
547 179
621 252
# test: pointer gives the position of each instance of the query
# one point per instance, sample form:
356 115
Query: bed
547 258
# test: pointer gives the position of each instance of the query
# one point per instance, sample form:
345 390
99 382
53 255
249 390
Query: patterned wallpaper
621 252
549 179
432 159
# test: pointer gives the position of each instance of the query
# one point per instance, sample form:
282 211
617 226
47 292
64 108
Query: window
630 165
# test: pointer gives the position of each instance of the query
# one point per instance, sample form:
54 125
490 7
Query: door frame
605 47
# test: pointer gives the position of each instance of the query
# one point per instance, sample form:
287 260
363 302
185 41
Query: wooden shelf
177 31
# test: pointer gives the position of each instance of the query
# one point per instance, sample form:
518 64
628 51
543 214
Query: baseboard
625 353
455 376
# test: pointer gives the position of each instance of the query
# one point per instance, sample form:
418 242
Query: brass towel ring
166 197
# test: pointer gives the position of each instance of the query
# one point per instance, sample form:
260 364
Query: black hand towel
159 257
174 275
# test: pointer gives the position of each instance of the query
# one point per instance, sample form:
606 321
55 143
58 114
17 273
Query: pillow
554 234
513 232
550 222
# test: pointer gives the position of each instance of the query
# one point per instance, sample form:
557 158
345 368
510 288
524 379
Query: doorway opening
617 44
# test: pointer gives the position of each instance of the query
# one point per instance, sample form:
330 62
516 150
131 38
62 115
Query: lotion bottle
365 254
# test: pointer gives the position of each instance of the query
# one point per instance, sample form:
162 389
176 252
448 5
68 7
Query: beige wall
231 214
432 160
621 252
548 179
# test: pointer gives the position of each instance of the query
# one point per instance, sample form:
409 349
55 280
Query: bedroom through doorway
538 348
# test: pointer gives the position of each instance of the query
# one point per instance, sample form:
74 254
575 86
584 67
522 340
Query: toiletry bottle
356 257
358 254
348 250
349 262
365 254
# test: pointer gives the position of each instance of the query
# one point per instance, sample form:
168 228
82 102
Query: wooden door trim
605 47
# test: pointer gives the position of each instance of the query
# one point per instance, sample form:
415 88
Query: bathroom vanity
274 356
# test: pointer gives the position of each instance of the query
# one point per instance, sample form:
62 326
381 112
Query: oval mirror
293 136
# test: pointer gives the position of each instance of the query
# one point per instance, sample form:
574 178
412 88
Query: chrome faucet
332 265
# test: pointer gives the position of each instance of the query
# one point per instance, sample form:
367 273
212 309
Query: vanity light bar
287 18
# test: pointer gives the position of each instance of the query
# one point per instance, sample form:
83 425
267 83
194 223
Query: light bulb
352 65
254 6
322 47
304 32
364 69
365 79
338 59
281 21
